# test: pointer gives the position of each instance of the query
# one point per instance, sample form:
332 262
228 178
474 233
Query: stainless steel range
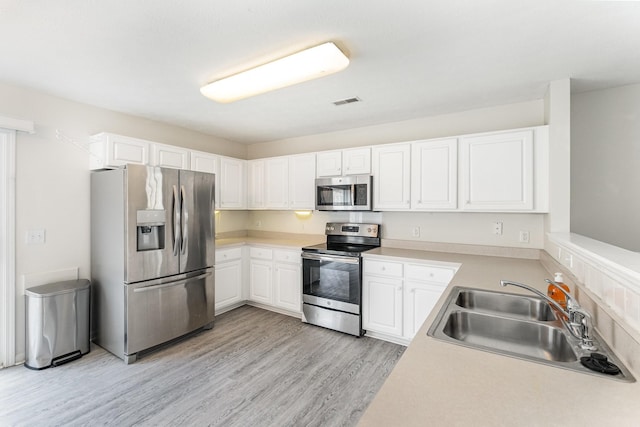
332 276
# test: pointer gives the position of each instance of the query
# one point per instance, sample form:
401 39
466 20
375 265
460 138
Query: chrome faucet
579 320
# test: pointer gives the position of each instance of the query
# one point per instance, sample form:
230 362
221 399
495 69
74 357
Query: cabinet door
109 150
391 177
204 162
228 284
497 171
255 184
276 183
260 285
232 183
356 161
288 286
329 163
419 300
302 182
382 305
168 156
210 163
434 172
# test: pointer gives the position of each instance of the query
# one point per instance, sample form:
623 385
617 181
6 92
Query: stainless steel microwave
344 193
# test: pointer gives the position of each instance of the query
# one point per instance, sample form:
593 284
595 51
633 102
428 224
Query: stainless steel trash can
57 323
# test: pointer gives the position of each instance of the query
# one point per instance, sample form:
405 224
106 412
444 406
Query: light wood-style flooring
254 368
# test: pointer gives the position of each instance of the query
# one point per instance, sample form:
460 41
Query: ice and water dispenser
150 225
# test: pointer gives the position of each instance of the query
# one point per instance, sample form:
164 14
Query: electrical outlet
258 224
35 237
524 236
415 232
497 228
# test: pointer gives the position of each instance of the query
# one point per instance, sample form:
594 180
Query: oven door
331 281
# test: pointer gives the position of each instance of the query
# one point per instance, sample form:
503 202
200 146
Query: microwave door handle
176 221
185 220
353 195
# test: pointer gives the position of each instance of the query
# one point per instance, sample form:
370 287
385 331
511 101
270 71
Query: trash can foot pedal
61 360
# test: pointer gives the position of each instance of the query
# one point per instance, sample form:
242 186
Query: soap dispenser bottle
554 293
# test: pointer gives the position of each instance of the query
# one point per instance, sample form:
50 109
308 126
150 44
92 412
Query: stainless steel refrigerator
152 256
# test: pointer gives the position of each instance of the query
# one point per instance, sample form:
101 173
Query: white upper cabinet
434 174
204 162
329 163
232 183
282 183
497 171
391 177
110 151
276 183
302 187
356 161
255 184
169 156
353 161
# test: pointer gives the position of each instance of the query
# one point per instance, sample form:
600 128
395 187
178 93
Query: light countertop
437 383
285 243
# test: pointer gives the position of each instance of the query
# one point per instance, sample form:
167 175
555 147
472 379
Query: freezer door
197 248
161 310
153 222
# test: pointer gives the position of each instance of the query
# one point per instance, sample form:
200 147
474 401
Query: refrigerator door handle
185 221
176 221
173 283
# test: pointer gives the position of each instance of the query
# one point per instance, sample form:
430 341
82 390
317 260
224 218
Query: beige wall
558 117
509 116
605 161
450 227
52 180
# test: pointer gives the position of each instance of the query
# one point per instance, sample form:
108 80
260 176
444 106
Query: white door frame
8 128
7 248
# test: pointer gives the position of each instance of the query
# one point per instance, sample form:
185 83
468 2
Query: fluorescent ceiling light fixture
318 61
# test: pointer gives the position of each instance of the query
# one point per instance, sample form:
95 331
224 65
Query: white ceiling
409 58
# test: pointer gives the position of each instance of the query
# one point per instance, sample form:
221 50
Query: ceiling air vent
347 101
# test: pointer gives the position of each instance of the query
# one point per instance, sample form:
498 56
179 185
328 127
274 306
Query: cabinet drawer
428 273
286 256
383 268
223 255
261 253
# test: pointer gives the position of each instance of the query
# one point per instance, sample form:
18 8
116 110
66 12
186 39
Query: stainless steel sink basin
515 325
518 306
530 339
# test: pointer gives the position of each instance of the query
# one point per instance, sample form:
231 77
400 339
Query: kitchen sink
515 325
519 306
510 336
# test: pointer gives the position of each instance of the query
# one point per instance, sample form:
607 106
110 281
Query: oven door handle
331 258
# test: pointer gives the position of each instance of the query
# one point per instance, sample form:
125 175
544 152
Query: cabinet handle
399 288
384 268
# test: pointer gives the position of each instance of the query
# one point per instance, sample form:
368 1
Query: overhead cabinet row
493 172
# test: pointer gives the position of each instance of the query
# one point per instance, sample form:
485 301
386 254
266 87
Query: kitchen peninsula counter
437 383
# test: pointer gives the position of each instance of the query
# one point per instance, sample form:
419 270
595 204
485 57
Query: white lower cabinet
287 286
228 273
275 278
399 294
382 305
419 300
260 275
